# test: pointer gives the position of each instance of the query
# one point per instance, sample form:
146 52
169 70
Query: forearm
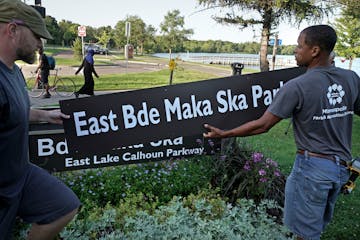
37 115
54 116
258 126
247 129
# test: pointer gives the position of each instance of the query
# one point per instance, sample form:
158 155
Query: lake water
287 60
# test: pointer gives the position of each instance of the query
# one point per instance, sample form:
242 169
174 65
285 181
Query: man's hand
213 132
56 116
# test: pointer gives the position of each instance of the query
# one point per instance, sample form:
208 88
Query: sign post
82 34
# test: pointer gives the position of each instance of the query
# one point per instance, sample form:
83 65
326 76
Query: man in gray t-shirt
321 103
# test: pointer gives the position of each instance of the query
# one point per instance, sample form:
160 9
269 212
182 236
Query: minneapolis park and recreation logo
335 94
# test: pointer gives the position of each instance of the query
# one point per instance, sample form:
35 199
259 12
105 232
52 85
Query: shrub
243 173
202 216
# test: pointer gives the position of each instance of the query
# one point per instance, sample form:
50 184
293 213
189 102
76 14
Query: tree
348 31
150 42
69 31
174 33
104 38
140 33
54 29
77 49
119 34
351 7
268 14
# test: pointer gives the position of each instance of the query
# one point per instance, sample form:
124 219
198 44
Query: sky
109 12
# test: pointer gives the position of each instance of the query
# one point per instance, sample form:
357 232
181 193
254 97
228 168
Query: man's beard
302 64
25 56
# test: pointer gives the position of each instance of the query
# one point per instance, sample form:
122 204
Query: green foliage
77 48
202 219
218 46
173 31
141 36
163 180
351 7
245 221
69 31
104 39
348 31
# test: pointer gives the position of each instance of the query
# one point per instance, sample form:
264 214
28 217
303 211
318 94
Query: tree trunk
142 48
265 34
264 63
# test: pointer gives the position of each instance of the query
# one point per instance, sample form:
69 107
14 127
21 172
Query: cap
23 14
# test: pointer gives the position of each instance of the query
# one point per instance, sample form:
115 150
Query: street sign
82 31
272 41
127 29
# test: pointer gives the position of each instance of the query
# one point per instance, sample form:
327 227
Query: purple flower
271 162
262 172
257 157
247 167
222 157
263 179
277 173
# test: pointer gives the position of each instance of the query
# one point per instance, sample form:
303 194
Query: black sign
107 122
48 149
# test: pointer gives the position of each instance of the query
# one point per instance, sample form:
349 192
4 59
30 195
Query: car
97 49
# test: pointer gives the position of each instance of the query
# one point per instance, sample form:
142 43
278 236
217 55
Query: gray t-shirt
322 103
14 128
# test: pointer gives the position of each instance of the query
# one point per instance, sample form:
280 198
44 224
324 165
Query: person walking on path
26 191
321 103
88 65
44 69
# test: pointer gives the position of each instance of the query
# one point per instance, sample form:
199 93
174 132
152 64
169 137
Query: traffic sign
272 41
82 31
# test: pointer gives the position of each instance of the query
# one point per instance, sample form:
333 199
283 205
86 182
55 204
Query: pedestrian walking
88 65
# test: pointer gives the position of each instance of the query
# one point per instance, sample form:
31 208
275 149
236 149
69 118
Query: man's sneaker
47 95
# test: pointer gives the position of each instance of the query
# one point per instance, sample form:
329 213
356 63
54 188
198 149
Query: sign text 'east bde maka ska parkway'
106 122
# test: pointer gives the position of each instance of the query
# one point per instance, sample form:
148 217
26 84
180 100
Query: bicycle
63 86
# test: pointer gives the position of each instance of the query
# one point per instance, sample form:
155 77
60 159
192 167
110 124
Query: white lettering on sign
140 155
186 110
168 142
143 117
229 102
93 125
258 92
106 159
70 162
184 152
46 147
